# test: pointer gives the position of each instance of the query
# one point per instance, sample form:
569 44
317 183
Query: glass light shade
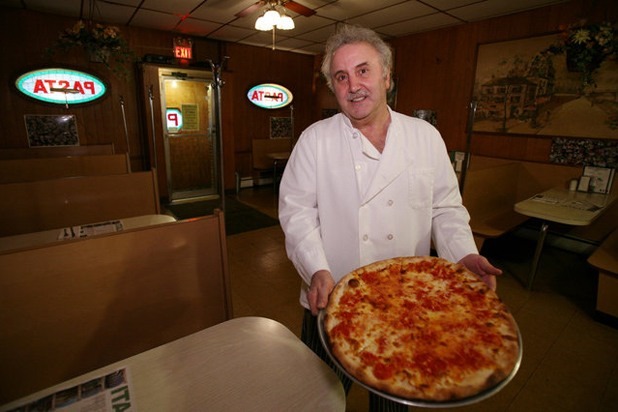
262 24
285 23
272 17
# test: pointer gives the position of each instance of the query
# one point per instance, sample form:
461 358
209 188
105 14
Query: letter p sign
173 118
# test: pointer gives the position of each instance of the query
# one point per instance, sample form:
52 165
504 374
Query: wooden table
564 206
54 235
279 158
245 364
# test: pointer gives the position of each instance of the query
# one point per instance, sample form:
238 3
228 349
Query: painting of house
520 90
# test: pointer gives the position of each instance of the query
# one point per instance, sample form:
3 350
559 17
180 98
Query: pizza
421 328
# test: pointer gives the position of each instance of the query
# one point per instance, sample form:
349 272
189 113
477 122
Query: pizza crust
435 334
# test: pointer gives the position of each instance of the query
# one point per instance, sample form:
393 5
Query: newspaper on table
110 392
93 229
568 203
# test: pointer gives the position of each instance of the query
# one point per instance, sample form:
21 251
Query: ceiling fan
289 4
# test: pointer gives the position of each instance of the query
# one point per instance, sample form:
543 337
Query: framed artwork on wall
51 130
521 89
280 127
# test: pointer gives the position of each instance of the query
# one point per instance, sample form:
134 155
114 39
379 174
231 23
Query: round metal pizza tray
419 402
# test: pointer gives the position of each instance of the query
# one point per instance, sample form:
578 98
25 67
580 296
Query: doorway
189 141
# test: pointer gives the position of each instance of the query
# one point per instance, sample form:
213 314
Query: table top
244 364
565 206
279 155
54 235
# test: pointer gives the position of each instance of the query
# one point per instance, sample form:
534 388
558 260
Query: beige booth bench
56 151
77 305
492 187
56 203
605 260
261 160
42 168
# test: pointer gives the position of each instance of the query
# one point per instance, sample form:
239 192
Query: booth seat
27 207
43 168
492 187
268 157
74 306
605 260
56 151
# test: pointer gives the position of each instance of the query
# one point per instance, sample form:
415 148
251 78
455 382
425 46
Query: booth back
56 151
43 168
78 305
56 203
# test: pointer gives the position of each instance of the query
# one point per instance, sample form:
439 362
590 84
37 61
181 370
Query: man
368 184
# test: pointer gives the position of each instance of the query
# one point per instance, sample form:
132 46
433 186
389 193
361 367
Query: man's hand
481 266
322 284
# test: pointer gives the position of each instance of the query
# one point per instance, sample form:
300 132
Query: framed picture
601 178
51 130
520 90
280 127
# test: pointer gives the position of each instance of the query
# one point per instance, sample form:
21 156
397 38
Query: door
189 141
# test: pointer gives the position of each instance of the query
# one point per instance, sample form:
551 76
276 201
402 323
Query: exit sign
183 48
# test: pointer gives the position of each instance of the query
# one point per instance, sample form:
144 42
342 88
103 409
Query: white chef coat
337 216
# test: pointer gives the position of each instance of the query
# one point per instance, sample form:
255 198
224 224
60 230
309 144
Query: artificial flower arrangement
586 46
103 43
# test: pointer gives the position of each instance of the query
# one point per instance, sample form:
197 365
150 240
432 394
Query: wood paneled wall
249 66
26 35
435 70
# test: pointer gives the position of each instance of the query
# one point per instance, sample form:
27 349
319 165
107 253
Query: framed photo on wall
51 130
521 89
280 127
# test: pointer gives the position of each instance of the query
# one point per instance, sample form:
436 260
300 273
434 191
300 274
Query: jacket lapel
392 163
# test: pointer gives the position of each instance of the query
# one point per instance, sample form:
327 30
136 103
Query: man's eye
340 77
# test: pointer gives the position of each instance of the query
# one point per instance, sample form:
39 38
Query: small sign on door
173 118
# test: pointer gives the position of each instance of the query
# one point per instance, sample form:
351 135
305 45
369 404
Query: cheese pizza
421 328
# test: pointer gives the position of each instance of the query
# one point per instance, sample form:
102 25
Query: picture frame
601 178
281 127
520 90
51 130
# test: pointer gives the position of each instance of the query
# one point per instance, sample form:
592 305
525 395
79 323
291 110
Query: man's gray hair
349 34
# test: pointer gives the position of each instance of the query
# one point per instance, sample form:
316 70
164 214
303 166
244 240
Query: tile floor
570 361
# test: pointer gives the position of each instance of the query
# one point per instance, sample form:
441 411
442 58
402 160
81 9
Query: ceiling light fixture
274 18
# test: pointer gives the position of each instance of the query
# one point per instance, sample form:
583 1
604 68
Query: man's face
359 82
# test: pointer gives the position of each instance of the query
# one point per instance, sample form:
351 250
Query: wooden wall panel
435 70
28 34
252 66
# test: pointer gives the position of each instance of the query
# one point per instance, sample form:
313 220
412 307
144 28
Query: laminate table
244 364
564 206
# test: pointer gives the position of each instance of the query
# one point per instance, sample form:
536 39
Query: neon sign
270 96
61 86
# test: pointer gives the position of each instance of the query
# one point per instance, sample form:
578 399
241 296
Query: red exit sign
183 52
183 48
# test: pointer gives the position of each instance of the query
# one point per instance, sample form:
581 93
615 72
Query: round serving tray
419 402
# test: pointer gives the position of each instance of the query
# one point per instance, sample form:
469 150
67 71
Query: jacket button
365 238
390 237
390 203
